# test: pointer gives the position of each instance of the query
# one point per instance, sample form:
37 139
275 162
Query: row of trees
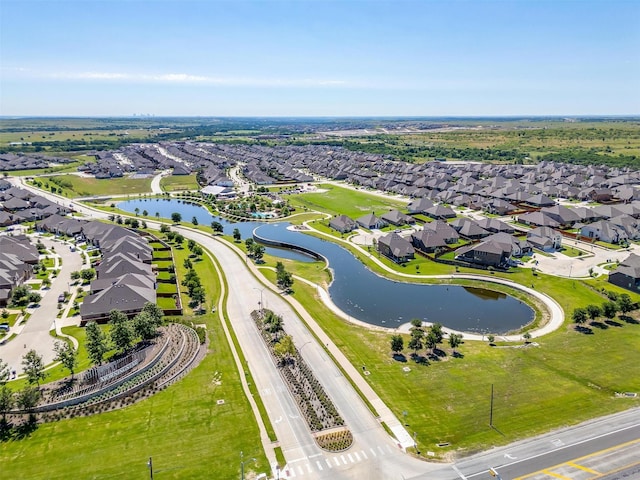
609 309
195 290
22 296
424 338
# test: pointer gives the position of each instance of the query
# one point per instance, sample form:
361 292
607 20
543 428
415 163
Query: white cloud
175 79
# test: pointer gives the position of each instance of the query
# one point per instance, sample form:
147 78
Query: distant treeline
590 157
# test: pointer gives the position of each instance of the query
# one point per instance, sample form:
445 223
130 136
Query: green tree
194 221
178 238
431 340
415 344
187 264
455 339
258 252
33 367
136 210
155 313
491 339
28 399
176 217
579 315
527 337
416 323
144 326
436 329
87 274
96 343
6 402
284 279
122 334
67 356
217 227
248 243
397 343
609 309
285 348
145 213
164 228
594 312
625 305
237 236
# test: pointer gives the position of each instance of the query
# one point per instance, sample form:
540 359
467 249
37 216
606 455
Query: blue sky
315 57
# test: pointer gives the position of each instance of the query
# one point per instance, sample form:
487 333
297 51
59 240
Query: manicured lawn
167 288
175 183
339 200
183 428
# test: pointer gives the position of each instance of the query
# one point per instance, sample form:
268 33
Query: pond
164 207
368 297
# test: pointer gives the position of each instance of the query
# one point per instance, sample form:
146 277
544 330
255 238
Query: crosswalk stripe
291 473
328 463
335 459
319 465
357 456
309 468
373 452
300 470
350 457
380 450
364 455
344 460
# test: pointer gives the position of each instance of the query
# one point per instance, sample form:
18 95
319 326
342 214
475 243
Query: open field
183 428
339 200
76 186
174 183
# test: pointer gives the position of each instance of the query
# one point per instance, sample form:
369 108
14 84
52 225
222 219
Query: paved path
34 334
155 183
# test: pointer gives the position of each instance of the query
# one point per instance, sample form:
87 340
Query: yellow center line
582 467
555 475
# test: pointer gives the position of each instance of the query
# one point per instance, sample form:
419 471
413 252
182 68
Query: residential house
343 224
627 274
396 217
545 238
605 231
370 221
396 248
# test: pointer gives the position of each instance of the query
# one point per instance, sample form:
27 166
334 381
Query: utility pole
150 465
491 409
241 466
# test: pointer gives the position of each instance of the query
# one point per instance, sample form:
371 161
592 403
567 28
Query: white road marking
344 460
357 456
373 452
335 459
300 470
309 468
459 472
319 465
364 455
380 450
328 462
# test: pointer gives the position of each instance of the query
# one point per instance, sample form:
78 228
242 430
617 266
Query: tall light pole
260 304
241 466
150 465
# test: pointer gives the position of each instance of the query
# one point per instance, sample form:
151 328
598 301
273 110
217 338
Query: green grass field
75 186
174 183
345 201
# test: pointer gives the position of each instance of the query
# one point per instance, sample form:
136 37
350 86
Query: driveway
34 334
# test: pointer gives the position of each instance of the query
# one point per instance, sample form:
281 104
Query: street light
150 465
260 304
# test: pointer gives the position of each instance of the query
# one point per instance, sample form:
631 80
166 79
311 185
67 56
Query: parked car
61 298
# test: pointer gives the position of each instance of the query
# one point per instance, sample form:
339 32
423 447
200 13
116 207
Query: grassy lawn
167 288
75 186
182 428
174 183
572 376
572 251
339 200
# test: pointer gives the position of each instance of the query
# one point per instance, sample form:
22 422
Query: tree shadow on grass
419 359
458 355
583 330
628 319
599 325
613 323
25 429
399 357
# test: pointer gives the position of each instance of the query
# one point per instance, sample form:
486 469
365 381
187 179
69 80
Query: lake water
366 296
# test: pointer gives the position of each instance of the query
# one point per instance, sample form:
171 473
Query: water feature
366 296
164 207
